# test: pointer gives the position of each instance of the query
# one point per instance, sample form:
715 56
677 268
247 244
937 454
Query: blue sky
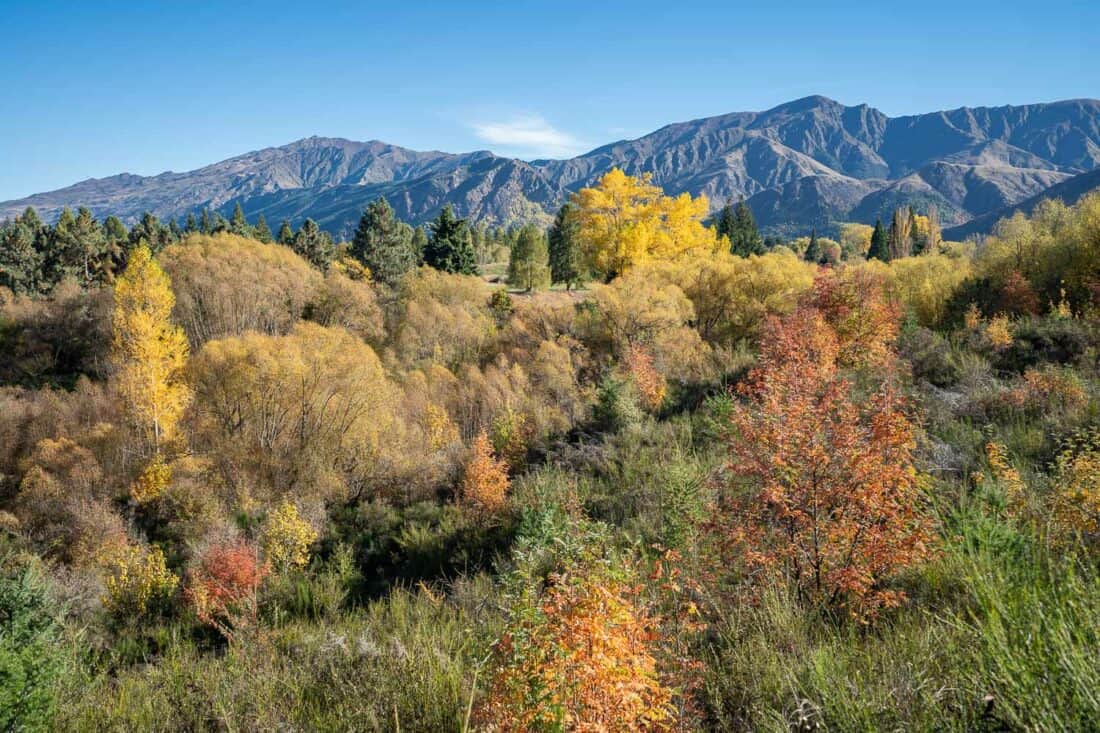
93 89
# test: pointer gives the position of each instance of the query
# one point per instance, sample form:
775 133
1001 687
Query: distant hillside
810 162
1069 191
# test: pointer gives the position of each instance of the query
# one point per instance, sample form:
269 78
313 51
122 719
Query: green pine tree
383 243
880 246
151 231
189 225
724 224
314 245
419 244
238 224
62 255
262 232
745 239
449 248
20 259
286 234
566 258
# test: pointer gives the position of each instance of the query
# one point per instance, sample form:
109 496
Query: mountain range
808 163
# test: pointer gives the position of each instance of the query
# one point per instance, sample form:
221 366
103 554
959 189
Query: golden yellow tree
625 221
149 351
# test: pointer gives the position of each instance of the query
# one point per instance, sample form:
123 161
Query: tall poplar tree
148 350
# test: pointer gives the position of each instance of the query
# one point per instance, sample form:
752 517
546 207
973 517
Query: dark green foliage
929 354
262 232
744 237
723 223
616 406
31 655
419 244
20 256
384 244
449 248
880 246
150 231
189 224
238 224
1049 340
813 251
314 245
563 244
286 234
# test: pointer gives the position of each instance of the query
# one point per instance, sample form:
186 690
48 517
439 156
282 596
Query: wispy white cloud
528 136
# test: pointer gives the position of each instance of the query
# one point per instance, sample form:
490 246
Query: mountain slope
1069 192
810 162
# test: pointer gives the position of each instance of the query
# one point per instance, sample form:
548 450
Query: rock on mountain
808 163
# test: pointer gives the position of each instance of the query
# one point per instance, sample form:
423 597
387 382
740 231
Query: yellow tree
149 351
625 221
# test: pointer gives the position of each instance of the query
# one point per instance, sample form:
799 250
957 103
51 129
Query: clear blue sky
96 88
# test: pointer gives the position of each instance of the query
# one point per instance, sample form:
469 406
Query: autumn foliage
222 586
625 221
650 383
828 494
582 660
149 351
485 480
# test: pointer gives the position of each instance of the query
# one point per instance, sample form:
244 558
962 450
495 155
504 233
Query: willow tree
626 221
149 351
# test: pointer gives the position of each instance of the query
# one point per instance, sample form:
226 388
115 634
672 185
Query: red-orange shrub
651 385
830 495
222 587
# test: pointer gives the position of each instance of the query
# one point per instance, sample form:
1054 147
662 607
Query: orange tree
485 479
829 495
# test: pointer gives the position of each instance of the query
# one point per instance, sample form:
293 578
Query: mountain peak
809 162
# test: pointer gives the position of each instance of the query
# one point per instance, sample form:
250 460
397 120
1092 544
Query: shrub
286 538
831 496
137 579
485 480
580 658
223 584
31 656
649 382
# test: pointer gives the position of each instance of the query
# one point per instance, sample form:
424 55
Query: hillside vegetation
672 476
